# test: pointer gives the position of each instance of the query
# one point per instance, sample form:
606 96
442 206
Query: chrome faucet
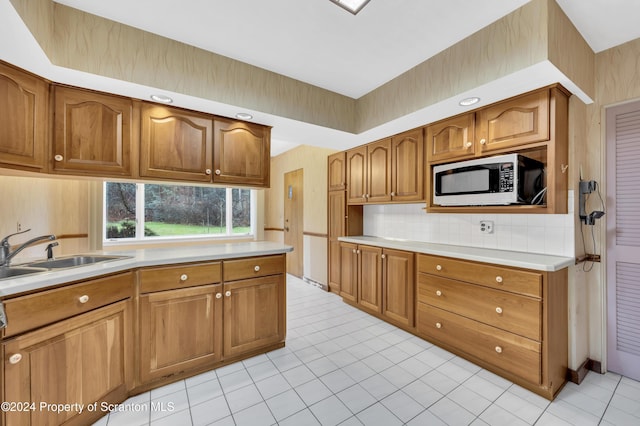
5 249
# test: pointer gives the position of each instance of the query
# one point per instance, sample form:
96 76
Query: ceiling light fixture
161 98
244 116
353 6
469 101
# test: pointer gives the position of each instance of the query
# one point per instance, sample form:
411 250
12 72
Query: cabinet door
398 286
356 175
175 144
241 153
92 133
334 265
451 138
179 330
337 214
370 282
379 172
254 314
407 166
81 360
337 172
349 271
515 122
23 121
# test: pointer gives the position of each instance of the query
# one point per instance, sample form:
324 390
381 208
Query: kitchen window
146 212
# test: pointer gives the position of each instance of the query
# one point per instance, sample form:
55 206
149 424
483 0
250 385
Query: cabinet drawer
253 267
35 310
500 277
509 352
508 311
172 277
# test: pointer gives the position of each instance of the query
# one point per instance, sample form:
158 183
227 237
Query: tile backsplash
532 233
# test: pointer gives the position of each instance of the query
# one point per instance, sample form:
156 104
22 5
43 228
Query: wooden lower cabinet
180 330
398 287
80 360
254 314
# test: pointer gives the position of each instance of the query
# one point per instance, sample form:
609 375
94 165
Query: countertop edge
139 259
535 261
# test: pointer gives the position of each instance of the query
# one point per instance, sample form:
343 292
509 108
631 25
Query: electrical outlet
18 227
486 226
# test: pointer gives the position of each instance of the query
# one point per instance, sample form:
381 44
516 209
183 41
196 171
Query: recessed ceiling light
161 98
469 101
353 6
244 116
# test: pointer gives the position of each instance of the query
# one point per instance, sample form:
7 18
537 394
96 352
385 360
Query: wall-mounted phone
587 187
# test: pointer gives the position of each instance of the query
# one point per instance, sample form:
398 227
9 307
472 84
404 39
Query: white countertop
539 262
141 258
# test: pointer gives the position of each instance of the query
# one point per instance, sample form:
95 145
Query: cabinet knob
468 144
208 171
83 299
354 251
498 310
393 194
438 293
358 251
499 349
384 256
58 157
483 141
438 325
184 277
15 358
364 195
498 279
256 268
227 293
438 267
218 295
218 172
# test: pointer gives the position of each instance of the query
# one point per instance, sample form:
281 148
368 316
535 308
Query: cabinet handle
218 295
498 310
358 251
184 277
483 141
256 268
468 144
438 293
393 194
498 279
83 299
438 325
364 195
438 267
58 157
384 256
218 172
208 171
498 349
15 358
354 251
227 293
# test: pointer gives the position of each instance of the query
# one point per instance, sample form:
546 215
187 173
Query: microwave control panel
506 177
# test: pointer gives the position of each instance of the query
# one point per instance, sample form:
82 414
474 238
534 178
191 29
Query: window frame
140 238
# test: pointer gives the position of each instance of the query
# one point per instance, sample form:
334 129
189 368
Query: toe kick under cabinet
511 321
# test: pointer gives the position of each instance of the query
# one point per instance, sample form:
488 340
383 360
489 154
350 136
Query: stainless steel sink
73 261
12 272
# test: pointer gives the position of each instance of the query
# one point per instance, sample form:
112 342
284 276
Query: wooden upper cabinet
407 166
92 133
379 172
175 144
23 121
518 121
356 161
337 172
451 138
242 153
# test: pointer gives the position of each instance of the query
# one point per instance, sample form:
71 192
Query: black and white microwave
499 180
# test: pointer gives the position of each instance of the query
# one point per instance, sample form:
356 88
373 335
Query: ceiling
319 43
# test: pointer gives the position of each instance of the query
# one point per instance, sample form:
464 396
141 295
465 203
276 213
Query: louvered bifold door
623 239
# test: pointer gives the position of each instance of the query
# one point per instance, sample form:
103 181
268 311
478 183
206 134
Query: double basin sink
66 262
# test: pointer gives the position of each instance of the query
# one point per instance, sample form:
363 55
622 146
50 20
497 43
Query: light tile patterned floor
342 366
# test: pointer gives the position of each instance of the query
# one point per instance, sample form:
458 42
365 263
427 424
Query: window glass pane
241 214
120 205
174 210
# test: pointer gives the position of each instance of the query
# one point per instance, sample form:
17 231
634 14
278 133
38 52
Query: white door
623 239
